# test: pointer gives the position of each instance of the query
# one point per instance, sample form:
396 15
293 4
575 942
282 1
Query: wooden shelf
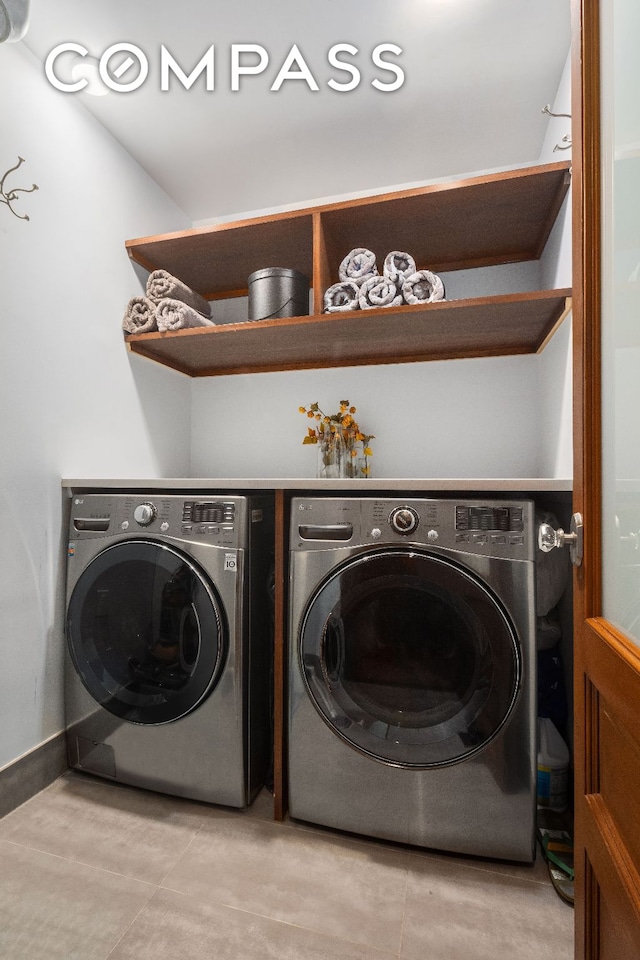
477 222
483 327
216 261
497 218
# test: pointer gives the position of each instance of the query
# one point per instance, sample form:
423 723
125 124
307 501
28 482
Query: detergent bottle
553 767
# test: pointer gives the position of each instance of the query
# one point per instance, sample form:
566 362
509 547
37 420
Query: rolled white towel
379 292
341 296
423 287
398 266
163 286
140 316
176 315
358 265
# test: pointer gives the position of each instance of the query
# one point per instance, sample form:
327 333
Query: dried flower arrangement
344 448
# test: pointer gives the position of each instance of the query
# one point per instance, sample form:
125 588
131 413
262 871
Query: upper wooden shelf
498 218
477 222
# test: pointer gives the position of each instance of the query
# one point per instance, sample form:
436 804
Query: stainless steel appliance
168 639
412 711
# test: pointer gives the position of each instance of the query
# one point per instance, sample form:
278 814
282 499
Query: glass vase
364 460
330 456
356 458
352 458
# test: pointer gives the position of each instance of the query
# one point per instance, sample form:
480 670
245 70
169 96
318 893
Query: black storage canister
278 292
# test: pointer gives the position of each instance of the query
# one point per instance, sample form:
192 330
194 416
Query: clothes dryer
167 682
412 697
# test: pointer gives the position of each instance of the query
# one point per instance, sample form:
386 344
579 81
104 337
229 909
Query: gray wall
70 400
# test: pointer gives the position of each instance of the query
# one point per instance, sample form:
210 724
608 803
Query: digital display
501 519
208 511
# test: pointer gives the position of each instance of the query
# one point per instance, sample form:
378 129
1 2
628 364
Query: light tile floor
91 870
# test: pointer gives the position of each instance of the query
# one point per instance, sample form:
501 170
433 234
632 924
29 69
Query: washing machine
167 682
412 687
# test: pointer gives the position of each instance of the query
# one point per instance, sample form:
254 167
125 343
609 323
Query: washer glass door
410 658
145 631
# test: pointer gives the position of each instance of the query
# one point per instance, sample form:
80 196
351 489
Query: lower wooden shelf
452 329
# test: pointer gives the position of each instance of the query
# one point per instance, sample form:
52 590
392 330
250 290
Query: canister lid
278 272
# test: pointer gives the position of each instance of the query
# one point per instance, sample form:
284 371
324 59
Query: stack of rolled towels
362 287
169 304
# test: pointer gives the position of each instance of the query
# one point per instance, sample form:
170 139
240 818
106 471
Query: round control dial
144 514
404 520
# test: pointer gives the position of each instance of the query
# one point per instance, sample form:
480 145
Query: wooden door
606 237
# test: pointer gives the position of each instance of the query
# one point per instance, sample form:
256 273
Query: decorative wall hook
11 196
547 109
565 143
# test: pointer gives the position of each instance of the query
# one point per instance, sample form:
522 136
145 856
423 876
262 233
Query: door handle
549 539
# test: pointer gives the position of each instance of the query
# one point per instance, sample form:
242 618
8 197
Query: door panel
612 787
607 660
620 329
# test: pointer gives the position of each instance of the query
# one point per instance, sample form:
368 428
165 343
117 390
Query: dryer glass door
410 658
145 631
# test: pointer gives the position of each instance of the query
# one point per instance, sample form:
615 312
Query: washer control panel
204 519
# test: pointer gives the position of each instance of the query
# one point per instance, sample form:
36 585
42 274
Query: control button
144 514
376 533
516 518
200 528
227 526
498 538
404 520
186 528
164 526
212 529
462 538
432 535
516 540
125 525
462 518
480 538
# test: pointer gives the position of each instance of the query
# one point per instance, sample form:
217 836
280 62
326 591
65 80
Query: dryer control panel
502 528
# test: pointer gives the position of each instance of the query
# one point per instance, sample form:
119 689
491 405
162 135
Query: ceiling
476 76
